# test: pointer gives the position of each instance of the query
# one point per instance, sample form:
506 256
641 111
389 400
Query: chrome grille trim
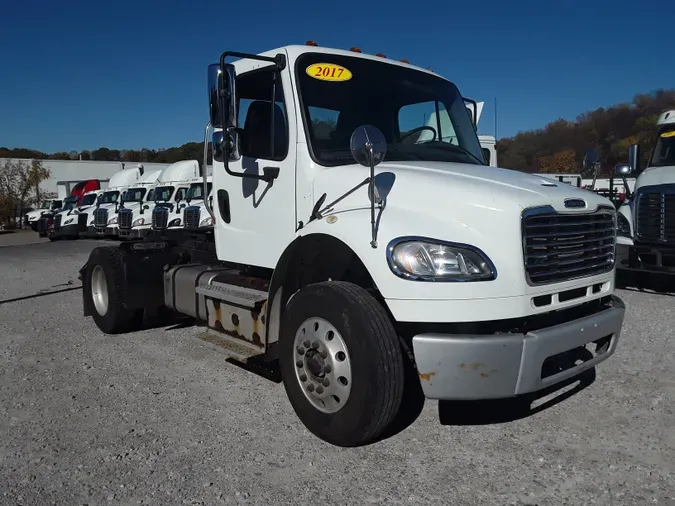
560 247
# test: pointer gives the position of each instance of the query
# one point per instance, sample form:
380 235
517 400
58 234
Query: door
255 219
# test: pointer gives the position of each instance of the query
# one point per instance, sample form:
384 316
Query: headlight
622 225
139 221
206 222
112 221
175 222
429 260
69 220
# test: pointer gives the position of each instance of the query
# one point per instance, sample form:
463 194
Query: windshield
109 198
69 202
89 200
134 195
163 193
422 116
664 152
196 191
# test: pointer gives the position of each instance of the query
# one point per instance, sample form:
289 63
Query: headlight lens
139 221
175 222
206 222
112 221
426 260
69 220
622 227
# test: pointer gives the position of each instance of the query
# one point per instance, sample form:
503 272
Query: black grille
655 216
100 217
82 221
192 217
124 218
57 221
43 223
160 217
560 247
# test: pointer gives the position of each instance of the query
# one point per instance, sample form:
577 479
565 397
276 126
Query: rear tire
348 389
103 285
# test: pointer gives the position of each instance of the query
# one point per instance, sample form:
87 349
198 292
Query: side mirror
622 169
214 107
633 157
368 146
590 163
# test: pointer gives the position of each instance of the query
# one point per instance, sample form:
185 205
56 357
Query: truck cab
169 200
196 215
359 259
102 220
69 223
646 220
135 207
45 206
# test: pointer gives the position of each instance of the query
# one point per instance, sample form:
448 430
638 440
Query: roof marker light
405 61
380 55
355 50
311 43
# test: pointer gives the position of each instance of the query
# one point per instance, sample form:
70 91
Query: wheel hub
322 365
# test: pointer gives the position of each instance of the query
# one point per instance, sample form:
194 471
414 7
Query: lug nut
299 363
307 343
326 382
319 389
300 350
310 387
327 368
315 344
303 377
323 354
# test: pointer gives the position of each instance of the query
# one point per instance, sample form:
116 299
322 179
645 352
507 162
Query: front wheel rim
99 290
322 365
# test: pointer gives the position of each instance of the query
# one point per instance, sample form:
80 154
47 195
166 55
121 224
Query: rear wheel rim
99 290
322 365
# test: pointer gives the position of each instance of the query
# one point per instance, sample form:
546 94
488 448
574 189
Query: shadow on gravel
512 409
41 293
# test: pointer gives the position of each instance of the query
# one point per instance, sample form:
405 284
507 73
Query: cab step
234 348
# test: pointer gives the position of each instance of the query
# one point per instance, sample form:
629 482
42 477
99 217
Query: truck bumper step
230 346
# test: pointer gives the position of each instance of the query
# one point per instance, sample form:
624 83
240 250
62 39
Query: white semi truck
168 201
68 224
348 255
646 221
136 204
101 222
196 215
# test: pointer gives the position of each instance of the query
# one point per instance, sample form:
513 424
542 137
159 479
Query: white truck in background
45 206
136 204
357 260
646 220
100 221
196 215
68 224
169 199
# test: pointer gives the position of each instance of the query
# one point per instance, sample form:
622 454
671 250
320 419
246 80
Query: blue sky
126 75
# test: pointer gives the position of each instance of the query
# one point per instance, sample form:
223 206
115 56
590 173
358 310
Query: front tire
341 363
103 286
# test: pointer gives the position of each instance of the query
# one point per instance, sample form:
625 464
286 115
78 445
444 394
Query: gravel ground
154 418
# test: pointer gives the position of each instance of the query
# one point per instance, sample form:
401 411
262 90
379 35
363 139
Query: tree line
559 147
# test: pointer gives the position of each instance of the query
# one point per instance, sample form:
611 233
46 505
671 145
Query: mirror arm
319 214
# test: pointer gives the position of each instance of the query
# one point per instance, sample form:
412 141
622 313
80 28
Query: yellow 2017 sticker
665 135
328 72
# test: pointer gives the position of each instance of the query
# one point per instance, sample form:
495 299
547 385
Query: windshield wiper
453 147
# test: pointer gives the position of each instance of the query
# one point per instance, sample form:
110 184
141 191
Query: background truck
67 223
135 207
100 221
46 206
196 215
646 221
168 199
363 264
47 221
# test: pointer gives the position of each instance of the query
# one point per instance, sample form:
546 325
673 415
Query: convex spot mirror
590 163
622 169
368 145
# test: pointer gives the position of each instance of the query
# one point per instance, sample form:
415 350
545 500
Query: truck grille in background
124 218
43 223
192 217
57 221
160 217
655 216
560 247
100 217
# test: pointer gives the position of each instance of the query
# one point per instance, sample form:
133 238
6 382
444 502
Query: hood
416 185
655 176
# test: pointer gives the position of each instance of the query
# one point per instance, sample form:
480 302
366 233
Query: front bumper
70 230
493 366
107 231
646 260
133 233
